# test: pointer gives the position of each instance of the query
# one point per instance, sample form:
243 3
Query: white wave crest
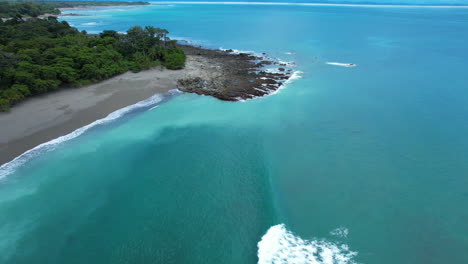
287 63
280 246
341 64
341 232
89 24
295 76
11 166
236 51
262 56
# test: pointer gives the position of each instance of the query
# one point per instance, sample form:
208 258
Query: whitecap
287 63
295 76
341 64
341 232
262 56
89 24
280 246
236 51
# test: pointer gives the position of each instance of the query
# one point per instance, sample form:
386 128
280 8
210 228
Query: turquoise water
365 163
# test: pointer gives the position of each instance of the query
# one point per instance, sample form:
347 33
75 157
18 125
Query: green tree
174 61
40 55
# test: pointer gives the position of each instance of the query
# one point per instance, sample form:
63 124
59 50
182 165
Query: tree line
30 9
9 9
42 55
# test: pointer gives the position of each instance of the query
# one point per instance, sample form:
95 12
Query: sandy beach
220 74
94 6
40 119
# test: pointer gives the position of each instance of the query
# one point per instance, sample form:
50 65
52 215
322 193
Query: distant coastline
94 6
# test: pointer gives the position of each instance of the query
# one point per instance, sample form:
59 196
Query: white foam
341 232
316 4
236 51
280 246
295 76
287 63
272 70
261 56
252 53
89 24
11 166
341 64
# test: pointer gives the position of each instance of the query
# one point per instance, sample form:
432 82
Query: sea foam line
314 4
341 64
264 56
295 76
8 168
280 246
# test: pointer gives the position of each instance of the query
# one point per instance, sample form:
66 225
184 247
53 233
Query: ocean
364 164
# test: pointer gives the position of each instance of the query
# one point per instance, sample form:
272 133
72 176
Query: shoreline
46 117
234 76
90 7
221 74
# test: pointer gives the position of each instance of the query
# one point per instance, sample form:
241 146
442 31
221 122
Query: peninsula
55 79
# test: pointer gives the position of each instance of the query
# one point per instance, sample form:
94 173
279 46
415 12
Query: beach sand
208 72
97 6
43 118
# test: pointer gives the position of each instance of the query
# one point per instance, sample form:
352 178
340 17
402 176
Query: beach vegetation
19 8
43 55
30 9
174 59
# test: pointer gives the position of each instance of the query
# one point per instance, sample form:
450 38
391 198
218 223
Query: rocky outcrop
228 76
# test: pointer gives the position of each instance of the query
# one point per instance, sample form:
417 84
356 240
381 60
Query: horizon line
312 4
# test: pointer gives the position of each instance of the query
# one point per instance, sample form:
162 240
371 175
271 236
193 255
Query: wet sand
220 74
40 119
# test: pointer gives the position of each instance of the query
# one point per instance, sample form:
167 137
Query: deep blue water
372 157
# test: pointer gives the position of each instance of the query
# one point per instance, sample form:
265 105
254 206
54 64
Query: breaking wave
295 76
341 232
89 24
11 166
341 64
280 246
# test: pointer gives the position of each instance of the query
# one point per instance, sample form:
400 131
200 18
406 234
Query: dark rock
236 76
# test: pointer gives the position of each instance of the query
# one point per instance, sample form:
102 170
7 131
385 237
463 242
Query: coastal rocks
228 76
73 14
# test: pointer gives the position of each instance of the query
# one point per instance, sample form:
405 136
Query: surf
151 102
341 64
281 246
